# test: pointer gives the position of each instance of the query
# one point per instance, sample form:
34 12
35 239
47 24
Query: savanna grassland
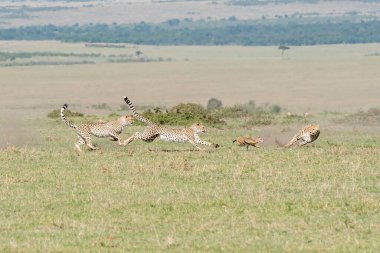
305 78
169 197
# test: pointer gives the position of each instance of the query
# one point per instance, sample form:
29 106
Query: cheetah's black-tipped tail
135 113
69 123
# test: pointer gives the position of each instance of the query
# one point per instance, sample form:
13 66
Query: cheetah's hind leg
80 142
90 145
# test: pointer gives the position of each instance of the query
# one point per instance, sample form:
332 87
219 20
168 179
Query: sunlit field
159 197
170 197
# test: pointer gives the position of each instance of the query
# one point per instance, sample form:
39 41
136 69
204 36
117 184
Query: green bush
182 114
373 111
275 108
251 106
236 111
189 110
102 106
214 104
114 115
248 109
125 107
371 116
57 114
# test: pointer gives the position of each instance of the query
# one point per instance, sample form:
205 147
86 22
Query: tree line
224 33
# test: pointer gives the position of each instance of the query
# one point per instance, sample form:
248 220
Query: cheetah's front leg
115 137
195 145
130 139
302 143
199 141
305 140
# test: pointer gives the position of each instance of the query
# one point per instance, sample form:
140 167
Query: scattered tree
275 108
251 106
283 48
214 104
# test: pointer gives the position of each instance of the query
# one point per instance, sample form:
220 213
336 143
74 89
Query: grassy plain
168 197
313 78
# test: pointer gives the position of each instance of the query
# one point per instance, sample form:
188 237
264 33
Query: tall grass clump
214 104
55 114
371 116
102 106
182 114
264 114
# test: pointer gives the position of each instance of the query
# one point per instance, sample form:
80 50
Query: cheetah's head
127 120
198 128
315 129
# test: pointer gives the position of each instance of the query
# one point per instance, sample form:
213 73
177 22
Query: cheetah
110 129
153 131
306 135
248 141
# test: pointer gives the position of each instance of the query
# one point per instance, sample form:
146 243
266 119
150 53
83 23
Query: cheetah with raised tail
152 131
306 135
105 129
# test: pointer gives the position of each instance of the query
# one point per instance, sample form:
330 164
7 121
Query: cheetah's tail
135 113
69 123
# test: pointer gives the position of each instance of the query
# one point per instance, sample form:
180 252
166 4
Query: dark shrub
373 111
182 114
214 104
275 108
57 114
103 106
236 111
371 116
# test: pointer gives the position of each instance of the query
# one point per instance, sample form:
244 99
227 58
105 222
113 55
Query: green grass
12 59
168 197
